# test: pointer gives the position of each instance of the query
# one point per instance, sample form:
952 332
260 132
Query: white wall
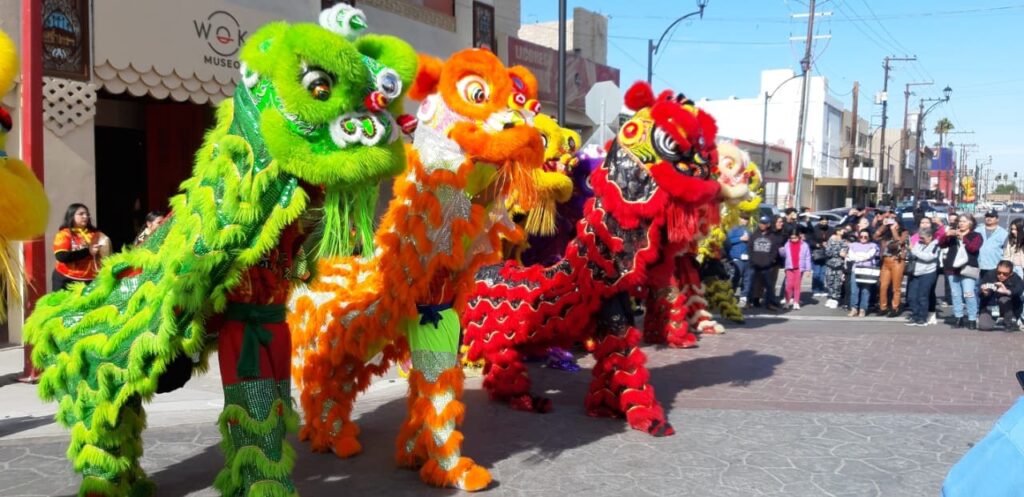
743 118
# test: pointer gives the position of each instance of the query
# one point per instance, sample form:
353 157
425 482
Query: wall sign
224 37
483 27
66 39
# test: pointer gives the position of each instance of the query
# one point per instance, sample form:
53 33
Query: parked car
1017 207
813 217
768 210
998 206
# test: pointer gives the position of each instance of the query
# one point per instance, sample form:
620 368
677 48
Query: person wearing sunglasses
1001 288
863 255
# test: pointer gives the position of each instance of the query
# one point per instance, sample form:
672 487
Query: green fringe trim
98 486
230 480
348 222
102 345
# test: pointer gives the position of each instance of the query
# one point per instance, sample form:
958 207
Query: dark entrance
144 150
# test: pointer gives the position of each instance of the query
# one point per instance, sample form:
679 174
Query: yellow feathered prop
23 205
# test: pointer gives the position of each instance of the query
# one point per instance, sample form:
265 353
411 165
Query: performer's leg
328 395
257 415
506 379
110 462
664 316
436 407
697 318
621 384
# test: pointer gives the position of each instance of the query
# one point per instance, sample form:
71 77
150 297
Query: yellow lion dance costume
742 178
554 185
473 149
23 205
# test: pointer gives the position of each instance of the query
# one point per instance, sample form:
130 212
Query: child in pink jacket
797 255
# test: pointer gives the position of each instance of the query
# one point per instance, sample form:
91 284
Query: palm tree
942 127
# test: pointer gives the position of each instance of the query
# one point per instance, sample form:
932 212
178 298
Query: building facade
773 122
586 41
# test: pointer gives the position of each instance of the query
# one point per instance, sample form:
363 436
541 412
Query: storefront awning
181 50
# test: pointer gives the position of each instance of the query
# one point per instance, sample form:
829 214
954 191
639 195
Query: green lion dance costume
311 119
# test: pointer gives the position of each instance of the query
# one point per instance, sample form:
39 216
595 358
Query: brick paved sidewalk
777 407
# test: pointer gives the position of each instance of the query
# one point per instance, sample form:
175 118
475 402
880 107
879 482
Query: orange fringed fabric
381 293
424 420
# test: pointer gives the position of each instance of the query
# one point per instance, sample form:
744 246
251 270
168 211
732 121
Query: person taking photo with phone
960 265
1003 289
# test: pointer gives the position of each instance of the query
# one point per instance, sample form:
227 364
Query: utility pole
805 66
562 97
919 158
905 136
882 176
853 148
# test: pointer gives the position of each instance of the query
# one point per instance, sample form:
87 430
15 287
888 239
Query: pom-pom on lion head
487 110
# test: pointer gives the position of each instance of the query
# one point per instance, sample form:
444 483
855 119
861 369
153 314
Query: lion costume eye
473 89
389 83
544 140
318 83
665 145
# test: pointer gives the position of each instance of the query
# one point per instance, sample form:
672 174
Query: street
805 403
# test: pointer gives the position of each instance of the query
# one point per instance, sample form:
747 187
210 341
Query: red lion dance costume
653 194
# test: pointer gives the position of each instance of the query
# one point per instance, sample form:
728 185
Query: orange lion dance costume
474 148
654 196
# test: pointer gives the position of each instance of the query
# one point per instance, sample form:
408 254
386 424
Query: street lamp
652 48
764 125
922 113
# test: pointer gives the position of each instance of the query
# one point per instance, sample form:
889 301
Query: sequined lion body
222 263
473 149
653 197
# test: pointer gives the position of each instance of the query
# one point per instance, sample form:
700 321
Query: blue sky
973 47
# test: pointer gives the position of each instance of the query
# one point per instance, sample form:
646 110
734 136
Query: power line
702 42
637 62
872 37
886 31
1002 10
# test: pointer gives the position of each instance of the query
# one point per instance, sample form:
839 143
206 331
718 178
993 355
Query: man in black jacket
1002 288
763 248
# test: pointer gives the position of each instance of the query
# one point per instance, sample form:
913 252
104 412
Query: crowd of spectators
863 263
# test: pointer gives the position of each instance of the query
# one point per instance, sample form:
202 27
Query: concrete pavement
796 405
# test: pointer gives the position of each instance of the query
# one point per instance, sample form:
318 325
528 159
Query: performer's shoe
530 403
466 475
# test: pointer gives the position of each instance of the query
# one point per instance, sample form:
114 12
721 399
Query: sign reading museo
223 35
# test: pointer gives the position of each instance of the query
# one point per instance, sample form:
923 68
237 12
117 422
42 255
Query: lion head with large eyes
486 109
668 144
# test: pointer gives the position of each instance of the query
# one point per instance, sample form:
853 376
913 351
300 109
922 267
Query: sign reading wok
172 43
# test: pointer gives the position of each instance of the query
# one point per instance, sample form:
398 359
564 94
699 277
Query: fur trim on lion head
486 109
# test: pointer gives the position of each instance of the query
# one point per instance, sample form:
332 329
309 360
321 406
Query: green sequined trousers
258 460
434 349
